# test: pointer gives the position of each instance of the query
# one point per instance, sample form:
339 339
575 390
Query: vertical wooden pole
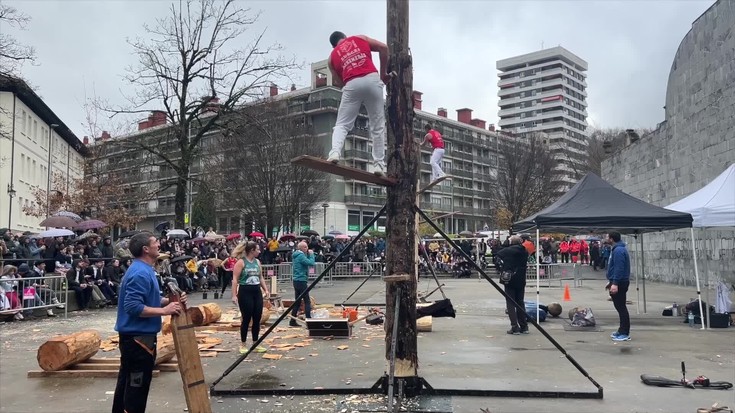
403 165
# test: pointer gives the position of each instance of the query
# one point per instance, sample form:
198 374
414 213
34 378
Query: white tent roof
713 205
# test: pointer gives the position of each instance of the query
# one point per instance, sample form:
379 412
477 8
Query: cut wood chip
300 344
208 354
343 347
269 356
313 354
366 345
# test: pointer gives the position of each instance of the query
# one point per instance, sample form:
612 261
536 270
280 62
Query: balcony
435 206
358 154
461 172
321 105
365 199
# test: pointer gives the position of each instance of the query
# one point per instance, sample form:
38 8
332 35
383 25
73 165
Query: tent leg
706 272
538 278
637 261
643 275
696 276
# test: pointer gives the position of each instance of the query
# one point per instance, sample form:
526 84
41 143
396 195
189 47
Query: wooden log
423 324
80 373
166 325
165 349
204 314
60 352
263 318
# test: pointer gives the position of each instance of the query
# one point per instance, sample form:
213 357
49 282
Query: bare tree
191 65
255 173
527 179
604 142
12 53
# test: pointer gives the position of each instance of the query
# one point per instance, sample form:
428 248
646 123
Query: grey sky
629 45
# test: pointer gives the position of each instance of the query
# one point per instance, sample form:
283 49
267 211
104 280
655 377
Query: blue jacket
618 267
301 264
139 288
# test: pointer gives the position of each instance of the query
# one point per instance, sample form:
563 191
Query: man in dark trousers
618 276
139 314
515 258
351 64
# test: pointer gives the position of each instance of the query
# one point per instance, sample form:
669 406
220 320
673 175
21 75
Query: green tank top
250 274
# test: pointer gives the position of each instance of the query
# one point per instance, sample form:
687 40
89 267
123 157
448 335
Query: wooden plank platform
319 164
434 183
33 374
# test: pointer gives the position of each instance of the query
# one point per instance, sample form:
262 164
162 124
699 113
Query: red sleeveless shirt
352 58
436 139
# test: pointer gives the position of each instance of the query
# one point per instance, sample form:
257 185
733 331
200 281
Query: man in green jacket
303 258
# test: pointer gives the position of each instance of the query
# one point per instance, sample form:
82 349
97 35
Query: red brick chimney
143 124
321 80
442 112
491 128
416 95
85 140
105 135
274 90
293 86
157 118
464 115
478 123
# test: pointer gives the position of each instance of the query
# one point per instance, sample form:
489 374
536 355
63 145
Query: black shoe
513 331
293 323
524 331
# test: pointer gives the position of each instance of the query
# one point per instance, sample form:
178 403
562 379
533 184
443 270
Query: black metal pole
301 296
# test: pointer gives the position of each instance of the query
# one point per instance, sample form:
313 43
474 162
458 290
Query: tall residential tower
546 92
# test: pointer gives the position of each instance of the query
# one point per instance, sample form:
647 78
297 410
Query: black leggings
226 279
250 301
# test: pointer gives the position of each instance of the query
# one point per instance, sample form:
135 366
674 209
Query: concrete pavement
469 352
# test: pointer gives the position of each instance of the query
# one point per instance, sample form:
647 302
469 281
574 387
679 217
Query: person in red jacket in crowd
584 251
574 248
564 249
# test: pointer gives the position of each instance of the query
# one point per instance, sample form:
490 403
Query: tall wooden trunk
403 164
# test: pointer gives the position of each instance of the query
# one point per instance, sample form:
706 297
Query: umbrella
181 258
593 239
56 232
88 234
162 225
177 233
342 236
328 237
68 214
215 237
302 238
128 234
58 222
90 224
256 234
233 236
198 240
310 232
466 233
335 233
287 237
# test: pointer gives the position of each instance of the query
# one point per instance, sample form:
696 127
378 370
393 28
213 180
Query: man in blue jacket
139 312
618 277
303 258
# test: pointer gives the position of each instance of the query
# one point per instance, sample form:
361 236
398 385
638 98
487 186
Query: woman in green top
248 290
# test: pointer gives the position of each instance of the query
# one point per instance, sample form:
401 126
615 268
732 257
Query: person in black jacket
515 258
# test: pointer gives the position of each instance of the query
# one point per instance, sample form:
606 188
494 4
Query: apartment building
463 203
34 145
545 92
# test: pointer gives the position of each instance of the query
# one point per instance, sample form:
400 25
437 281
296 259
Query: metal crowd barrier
31 293
548 273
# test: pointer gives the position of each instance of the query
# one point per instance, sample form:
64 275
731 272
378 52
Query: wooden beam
342 170
34 374
401 223
434 183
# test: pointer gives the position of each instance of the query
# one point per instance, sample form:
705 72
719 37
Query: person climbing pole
434 139
352 68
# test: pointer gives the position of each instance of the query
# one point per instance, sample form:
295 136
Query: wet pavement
471 351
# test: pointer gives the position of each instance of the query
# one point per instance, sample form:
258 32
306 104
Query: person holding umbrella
248 290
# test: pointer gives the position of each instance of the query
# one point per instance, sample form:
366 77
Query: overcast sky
629 46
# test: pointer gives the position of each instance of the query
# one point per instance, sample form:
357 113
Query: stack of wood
72 356
201 315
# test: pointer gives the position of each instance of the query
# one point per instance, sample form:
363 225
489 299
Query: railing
365 199
547 274
341 270
357 153
23 295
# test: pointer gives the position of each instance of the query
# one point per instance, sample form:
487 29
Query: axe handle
352 323
298 320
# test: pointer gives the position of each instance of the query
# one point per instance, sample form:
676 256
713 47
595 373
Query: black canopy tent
594 205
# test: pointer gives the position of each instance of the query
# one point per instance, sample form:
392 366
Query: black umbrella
181 258
302 237
128 234
310 232
162 225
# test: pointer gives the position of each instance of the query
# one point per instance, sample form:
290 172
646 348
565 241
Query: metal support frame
418 385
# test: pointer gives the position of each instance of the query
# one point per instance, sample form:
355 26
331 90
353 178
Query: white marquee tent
711 206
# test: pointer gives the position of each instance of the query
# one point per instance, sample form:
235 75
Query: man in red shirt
352 67
434 139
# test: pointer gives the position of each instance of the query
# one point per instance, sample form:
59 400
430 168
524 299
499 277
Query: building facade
692 146
546 92
34 145
463 203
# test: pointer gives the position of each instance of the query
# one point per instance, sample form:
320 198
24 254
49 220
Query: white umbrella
55 232
177 233
68 214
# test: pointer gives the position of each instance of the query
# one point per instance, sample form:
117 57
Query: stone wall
694 144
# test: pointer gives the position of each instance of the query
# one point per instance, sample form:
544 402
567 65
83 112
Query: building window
353 220
366 217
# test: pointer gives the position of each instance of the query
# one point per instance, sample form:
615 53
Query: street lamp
48 182
325 206
11 195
